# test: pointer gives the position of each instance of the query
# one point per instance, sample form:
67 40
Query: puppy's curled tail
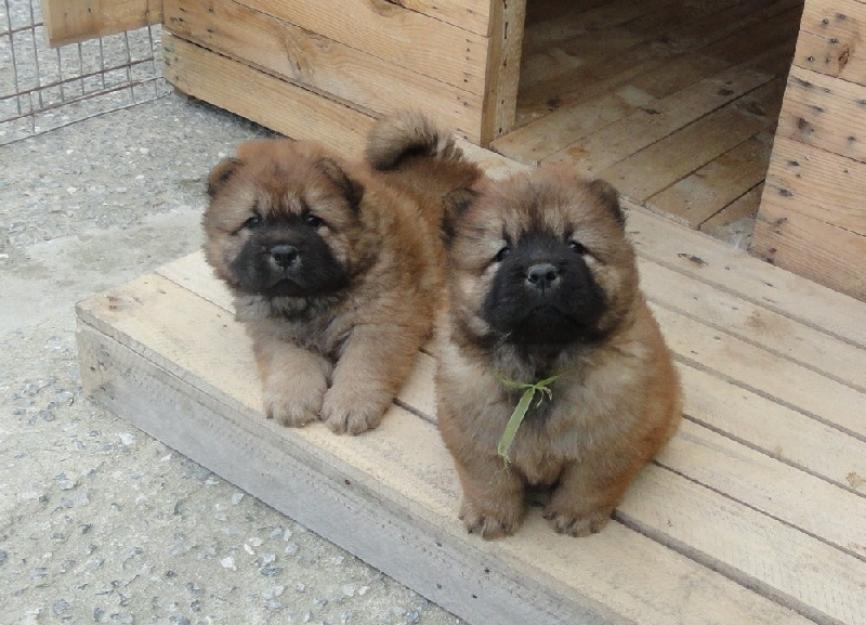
408 134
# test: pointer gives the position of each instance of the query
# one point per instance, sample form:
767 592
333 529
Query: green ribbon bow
542 388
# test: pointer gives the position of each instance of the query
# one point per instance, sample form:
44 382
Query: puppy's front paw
353 413
294 408
490 521
576 523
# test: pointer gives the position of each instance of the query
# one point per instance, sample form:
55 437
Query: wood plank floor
754 514
675 101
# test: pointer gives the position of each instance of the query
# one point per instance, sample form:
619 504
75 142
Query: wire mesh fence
44 88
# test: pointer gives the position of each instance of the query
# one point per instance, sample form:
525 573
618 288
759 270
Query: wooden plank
776 559
503 68
825 112
665 162
753 368
695 254
773 429
771 331
392 33
71 21
818 184
267 100
702 194
810 247
315 62
831 41
754 420
471 15
743 209
153 351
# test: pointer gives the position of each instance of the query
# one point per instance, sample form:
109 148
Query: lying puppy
546 331
335 275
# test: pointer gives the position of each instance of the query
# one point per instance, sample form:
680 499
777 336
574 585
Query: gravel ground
98 522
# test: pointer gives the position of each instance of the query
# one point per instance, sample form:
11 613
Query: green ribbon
542 388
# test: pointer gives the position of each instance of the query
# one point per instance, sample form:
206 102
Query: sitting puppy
552 370
335 275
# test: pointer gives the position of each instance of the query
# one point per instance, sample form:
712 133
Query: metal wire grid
43 88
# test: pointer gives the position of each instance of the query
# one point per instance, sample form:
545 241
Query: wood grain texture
71 21
153 351
715 263
702 194
394 34
810 247
265 99
818 184
662 164
831 39
318 63
825 112
471 15
744 208
504 50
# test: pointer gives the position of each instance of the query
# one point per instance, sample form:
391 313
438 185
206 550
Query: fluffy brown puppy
542 282
335 275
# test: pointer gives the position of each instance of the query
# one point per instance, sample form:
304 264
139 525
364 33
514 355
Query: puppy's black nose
542 276
284 255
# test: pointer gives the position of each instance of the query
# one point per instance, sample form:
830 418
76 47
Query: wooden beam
318 63
70 21
504 51
265 99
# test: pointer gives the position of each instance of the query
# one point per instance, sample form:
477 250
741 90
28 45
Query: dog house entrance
674 102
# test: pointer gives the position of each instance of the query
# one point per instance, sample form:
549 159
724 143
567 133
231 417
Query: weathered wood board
70 21
812 218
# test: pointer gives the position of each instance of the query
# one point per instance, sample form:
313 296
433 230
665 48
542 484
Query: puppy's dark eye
253 222
502 254
577 248
313 221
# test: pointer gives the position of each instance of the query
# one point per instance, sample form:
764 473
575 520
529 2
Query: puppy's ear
352 189
221 174
609 199
455 205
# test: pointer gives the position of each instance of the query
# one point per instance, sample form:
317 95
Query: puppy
542 286
335 274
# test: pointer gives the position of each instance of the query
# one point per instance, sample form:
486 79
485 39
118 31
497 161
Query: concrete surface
98 522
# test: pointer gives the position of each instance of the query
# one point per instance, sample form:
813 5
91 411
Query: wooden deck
755 513
675 103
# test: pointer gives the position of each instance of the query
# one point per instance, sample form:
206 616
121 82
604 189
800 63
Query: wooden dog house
674 101
755 514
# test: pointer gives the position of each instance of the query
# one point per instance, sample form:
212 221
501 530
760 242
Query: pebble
413 617
292 549
98 613
308 616
249 549
268 558
287 535
255 541
64 483
270 570
300 587
229 563
349 590
274 592
363 590
3 557
62 609
273 604
237 498
126 438
178 619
